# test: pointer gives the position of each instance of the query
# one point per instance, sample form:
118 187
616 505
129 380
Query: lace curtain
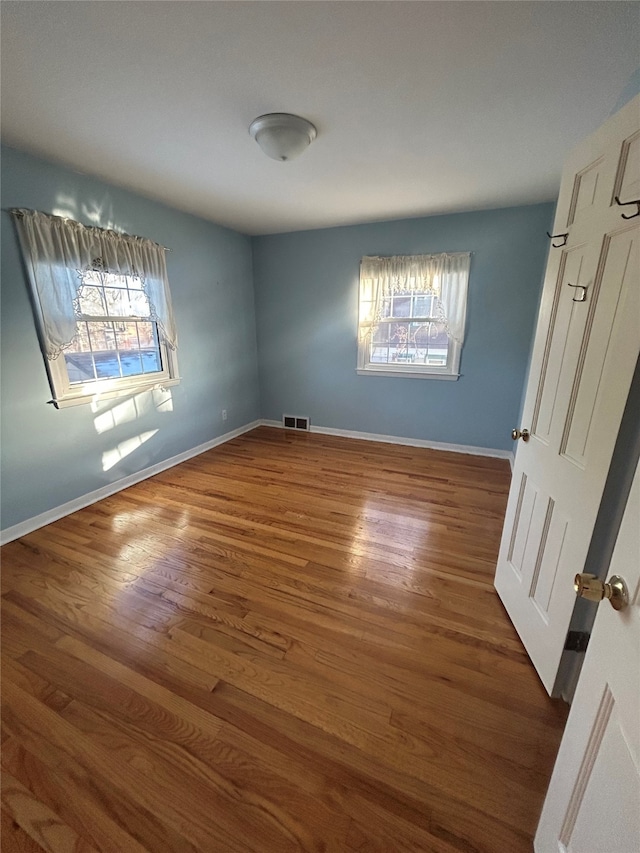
59 251
444 276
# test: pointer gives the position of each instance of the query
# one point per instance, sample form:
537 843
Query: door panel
586 347
613 296
593 801
627 185
522 525
585 191
551 554
599 792
566 323
539 534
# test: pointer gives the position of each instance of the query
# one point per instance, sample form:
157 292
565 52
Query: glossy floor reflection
291 642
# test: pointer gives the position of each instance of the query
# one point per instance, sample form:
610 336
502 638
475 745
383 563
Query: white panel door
593 800
585 351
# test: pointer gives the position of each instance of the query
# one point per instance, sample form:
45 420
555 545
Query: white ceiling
421 107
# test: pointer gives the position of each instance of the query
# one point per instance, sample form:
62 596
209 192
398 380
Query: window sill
95 395
407 374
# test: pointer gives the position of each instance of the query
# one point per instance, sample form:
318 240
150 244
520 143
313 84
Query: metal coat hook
562 237
625 203
582 297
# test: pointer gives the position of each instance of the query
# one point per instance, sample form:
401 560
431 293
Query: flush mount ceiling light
282 136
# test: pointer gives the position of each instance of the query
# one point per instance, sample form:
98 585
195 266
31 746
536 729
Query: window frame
65 393
450 371
410 370
57 250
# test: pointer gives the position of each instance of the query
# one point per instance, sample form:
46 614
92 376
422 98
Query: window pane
98 335
438 355
110 335
138 304
433 344
134 282
379 355
140 352
421 334
381 333
84 343
398 333
92 277
131 363
107 365
147 335
117 301
385 307
401 306
91 301
439 335
112 279
127 336
79 366
81 341
418 341
423 306
399 339
129 347
151 362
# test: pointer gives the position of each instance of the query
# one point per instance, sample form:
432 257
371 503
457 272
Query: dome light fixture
282 136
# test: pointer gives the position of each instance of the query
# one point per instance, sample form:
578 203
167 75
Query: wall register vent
295 422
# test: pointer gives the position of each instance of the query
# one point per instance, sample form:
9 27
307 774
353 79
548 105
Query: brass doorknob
590 587
520 433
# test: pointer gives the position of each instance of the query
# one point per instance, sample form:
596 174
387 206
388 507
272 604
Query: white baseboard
31 524
409 442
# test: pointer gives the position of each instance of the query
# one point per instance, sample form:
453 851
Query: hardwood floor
291 642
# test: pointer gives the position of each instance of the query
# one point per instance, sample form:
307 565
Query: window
420 339
103 308
412 315
116 346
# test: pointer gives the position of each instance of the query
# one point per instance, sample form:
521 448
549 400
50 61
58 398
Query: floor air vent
295 422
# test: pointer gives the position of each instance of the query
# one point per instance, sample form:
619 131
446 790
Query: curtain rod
16 211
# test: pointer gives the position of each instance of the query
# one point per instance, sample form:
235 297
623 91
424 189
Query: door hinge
577 641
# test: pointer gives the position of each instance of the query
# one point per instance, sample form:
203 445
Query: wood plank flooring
288 643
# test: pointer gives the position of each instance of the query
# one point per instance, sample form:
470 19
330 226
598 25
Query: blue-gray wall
630 91
52 456
305 287
306 290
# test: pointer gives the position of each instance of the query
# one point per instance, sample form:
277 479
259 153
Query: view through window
419 339
115 336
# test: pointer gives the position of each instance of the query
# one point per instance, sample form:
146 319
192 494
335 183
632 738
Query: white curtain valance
58 251
444 276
